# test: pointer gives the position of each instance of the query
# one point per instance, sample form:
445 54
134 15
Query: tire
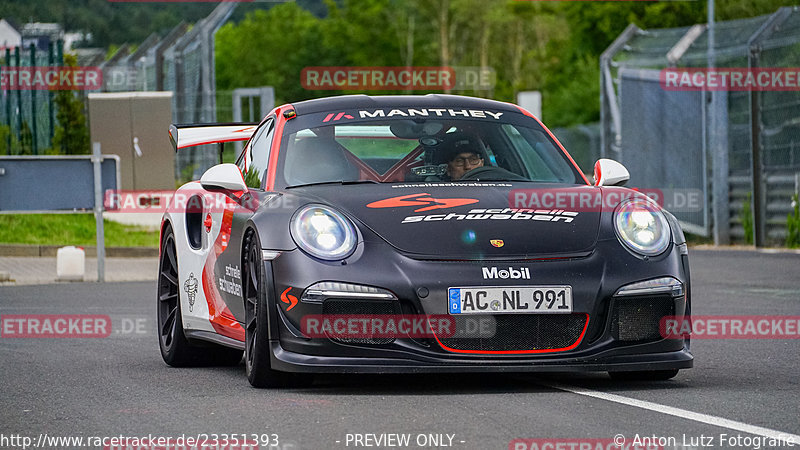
176 350
256 331
645 375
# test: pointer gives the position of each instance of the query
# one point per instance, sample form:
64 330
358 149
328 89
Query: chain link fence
27 116
182 62
739 147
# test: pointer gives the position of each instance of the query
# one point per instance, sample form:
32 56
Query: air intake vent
339 306
638 318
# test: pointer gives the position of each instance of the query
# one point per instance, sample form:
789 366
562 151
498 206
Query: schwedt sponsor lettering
541 215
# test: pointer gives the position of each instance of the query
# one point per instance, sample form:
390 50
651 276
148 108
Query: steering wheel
491 173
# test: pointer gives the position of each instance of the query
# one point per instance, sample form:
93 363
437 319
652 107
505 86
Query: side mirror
224 176
608 172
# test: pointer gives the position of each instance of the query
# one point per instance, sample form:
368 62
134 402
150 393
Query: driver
463 157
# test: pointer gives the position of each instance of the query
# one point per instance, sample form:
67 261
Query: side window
253 162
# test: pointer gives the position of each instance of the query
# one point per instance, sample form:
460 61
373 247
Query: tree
71 136
553 47
270 48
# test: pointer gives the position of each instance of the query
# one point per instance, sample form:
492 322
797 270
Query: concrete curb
50 251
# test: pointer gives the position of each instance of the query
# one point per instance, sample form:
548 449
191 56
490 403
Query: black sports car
428 233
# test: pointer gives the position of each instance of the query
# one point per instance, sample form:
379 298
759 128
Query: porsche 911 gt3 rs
428 233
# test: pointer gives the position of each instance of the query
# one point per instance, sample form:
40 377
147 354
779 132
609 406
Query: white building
10 36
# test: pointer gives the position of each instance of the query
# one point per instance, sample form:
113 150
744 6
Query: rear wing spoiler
190 135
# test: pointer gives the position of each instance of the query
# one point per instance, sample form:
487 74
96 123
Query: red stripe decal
219 315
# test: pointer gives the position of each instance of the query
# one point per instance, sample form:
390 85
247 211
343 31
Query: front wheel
256 333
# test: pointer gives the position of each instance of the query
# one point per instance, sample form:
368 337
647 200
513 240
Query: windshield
431 149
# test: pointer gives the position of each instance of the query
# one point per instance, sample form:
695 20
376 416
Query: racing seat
317 160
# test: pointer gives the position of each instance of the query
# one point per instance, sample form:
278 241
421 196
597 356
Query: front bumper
594 278
610 361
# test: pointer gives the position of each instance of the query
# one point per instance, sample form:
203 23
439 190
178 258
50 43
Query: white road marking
682 413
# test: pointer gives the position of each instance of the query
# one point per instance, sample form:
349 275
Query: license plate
510 300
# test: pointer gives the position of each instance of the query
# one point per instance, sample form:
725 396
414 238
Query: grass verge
70 229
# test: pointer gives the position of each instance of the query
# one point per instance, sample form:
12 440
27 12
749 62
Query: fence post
756 167
34 134
797 184
720 167
8 105
718 146
609 108
19 102
97 160
51 116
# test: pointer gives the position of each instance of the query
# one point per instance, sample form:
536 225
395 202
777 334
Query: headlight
642 227
323 232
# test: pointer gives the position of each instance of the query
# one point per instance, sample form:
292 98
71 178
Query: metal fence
28 117
182 61
704 140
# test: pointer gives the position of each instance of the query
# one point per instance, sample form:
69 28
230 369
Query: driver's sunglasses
460 162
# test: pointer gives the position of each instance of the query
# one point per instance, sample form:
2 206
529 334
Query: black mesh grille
359 307
520 332
638 318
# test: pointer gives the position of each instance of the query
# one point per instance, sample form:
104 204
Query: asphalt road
119 386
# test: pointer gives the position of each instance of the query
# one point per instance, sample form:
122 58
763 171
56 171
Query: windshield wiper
361 182
334 182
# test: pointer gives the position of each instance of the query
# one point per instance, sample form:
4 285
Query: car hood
468 220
